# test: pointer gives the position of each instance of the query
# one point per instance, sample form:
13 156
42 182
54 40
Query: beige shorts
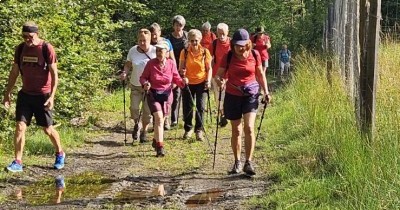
137 104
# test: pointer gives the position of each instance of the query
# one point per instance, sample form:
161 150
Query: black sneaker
223 121
142 137
135 132
236 167
248 168
160 152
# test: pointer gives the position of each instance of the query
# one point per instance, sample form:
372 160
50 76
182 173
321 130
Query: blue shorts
236 106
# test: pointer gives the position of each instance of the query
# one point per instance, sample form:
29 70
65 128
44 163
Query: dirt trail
132 186
131 177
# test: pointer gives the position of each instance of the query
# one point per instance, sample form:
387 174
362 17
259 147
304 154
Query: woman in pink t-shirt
245 75
156 79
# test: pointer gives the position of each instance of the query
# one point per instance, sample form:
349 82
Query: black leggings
199 96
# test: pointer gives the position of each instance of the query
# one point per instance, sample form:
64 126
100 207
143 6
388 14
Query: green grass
316 154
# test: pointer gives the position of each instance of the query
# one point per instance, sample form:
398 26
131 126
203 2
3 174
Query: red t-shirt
36 79
222 48
207 39
260 46
240 72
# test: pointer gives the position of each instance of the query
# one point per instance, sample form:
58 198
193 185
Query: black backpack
45 52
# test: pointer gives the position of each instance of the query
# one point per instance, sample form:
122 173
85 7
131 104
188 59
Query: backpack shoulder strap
214 44
45 52
253 51
19 49
185 35
204 57
228 59
186 54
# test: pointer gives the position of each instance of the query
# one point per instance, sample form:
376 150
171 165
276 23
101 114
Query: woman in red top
156 79
245 75
262 43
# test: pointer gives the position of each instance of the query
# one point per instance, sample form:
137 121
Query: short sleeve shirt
260 46
240 72
139 61
196 71
221 49
36 78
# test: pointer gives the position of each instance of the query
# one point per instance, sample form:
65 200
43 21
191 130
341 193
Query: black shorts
236 106
33 105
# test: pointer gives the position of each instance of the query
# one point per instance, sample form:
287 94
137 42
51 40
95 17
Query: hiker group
183 68
162 74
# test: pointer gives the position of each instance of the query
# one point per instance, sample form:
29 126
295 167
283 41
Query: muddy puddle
55 190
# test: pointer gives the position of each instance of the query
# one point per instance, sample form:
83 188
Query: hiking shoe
160 152
142 137
167 126
174 124
223 121
236 167
199 136
60 160
248 168
187 134
135 132
14 167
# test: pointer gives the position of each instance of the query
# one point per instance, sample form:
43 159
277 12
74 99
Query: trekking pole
216 131
201 120
262 117
123 90
141 110
177 117
209 104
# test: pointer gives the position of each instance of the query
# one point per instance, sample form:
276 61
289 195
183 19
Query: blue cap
240 37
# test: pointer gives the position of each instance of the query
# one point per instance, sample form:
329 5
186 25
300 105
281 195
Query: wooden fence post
369 43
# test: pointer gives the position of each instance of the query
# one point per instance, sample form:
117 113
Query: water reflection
60 187
18 194
204 198
49 191
141 192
